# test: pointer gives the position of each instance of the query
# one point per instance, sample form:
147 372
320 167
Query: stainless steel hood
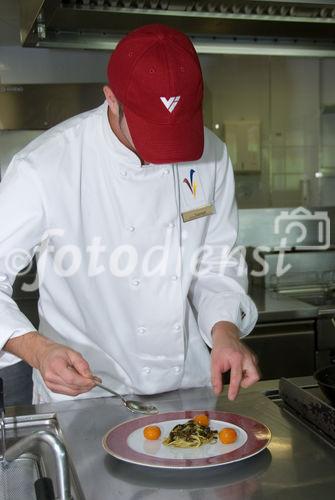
249 27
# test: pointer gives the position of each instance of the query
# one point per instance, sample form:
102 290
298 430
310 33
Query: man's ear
111 100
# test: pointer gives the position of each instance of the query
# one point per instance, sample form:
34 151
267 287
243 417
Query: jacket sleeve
218 288
22 224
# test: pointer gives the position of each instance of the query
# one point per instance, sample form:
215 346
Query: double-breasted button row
175 369
124 173
141 330
136 282
170 225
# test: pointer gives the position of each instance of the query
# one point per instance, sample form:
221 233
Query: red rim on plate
115 442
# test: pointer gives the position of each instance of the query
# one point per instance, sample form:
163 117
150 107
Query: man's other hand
228 353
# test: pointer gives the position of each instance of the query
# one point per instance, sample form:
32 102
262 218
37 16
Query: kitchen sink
17 478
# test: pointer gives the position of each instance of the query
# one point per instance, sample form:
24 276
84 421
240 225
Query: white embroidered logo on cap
171 103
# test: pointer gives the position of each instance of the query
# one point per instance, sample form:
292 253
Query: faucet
32 444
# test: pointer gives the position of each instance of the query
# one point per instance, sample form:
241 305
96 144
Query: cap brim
177 143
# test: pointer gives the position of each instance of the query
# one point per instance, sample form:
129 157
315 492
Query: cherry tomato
152 432
227 435
201 420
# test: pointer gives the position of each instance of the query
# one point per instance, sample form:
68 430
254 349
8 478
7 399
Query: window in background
291 159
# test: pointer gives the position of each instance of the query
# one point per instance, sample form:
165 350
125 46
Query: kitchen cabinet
284 348
284 338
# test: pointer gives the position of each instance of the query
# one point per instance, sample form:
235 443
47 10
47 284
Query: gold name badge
197 213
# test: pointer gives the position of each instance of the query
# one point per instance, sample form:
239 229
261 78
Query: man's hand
228 353
64 370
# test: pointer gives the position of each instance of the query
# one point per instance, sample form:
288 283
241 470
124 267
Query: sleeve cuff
13 325
239 310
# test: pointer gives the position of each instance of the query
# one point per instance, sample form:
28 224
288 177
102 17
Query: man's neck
115 126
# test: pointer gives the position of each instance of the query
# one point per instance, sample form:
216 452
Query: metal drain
17 479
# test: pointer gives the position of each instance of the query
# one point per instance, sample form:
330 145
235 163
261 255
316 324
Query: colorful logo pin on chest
191 183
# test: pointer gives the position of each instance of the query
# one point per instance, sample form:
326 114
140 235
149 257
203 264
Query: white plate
126 441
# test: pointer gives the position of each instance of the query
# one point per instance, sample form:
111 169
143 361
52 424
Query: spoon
132 405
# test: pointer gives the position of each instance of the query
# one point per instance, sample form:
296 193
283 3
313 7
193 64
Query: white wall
286 95
240 90
327 153
328 80
294 131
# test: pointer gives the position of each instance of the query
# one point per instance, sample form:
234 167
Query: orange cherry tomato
201 420
152 432
227 435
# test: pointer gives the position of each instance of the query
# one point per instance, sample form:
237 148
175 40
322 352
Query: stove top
320 300
325 301
320 295
309 405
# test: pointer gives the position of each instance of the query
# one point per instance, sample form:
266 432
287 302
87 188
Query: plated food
152 432
192 434
229 438
227 435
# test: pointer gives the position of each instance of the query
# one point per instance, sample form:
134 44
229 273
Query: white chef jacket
142 326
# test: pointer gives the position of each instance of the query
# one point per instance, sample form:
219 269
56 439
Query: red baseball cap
155 74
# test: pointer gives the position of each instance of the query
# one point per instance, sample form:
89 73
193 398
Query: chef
130 211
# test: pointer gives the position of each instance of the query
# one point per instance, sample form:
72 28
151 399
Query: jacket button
177 327
177 369
146 369
141 330
171 225
165 171
135 282
131 229
174 277
123 173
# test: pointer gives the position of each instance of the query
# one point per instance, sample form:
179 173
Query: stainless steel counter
297 464
273 306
